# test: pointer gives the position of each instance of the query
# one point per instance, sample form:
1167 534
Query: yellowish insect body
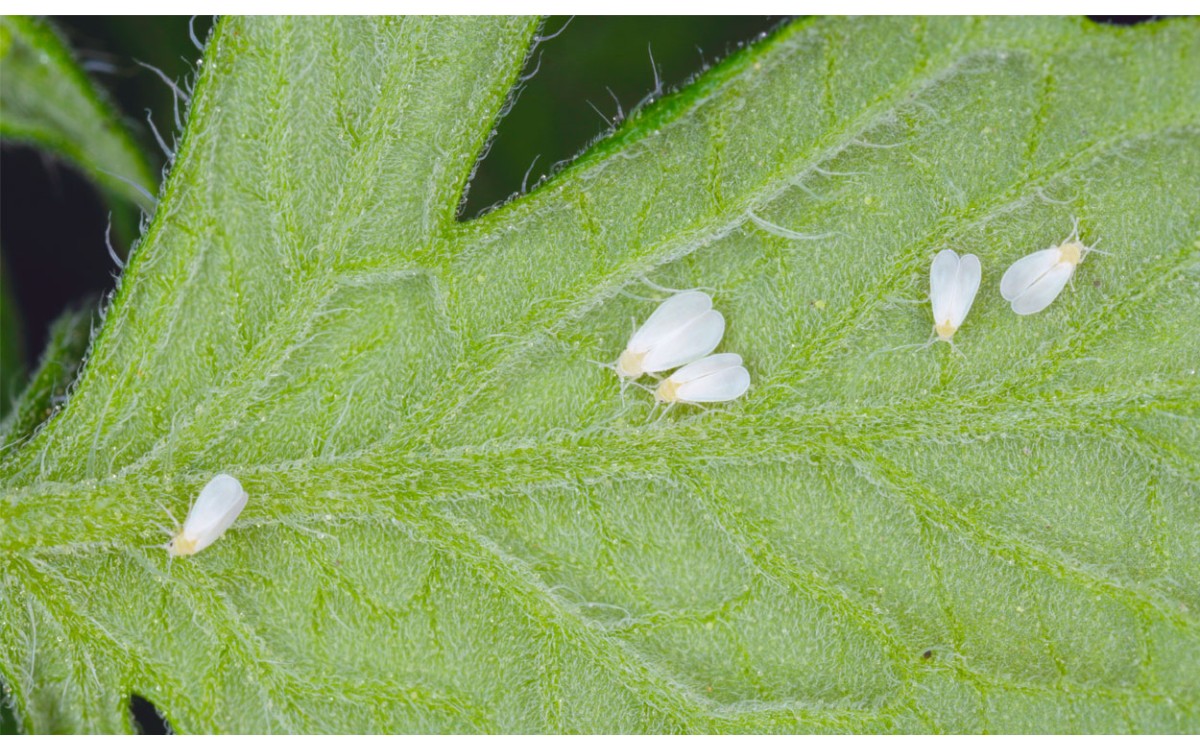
666 392
181 546
629 365
1070 252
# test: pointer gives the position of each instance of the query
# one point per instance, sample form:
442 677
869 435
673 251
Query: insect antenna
643 386
170 515
1093 248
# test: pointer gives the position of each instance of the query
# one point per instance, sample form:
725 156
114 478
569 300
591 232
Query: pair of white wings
719 377
953 282
1033 282
683 331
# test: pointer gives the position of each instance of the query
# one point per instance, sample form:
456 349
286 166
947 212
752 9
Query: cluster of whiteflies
682 333
1029 285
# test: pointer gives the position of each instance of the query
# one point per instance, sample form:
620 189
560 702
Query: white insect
218 505
953 282
719 377
1033 282
683 329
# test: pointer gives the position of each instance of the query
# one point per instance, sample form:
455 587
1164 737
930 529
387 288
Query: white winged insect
953 282
683 329
214 511
1033 282
719 377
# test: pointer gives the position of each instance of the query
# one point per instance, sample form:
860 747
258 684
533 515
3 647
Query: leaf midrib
320 489
809 429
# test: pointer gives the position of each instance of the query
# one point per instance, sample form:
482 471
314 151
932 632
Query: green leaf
459 522
50 102
48 388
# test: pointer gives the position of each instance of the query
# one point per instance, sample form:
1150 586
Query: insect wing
1044 290
966 284
687 344
706 366
673 314
1022 274
215 510
724 384
943 277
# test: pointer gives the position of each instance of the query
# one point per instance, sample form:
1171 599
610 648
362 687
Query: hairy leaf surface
458 522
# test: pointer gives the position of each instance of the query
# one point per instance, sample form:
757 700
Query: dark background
52 222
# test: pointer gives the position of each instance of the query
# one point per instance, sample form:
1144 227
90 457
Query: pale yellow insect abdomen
1070 252
630 364
181 546
665 393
